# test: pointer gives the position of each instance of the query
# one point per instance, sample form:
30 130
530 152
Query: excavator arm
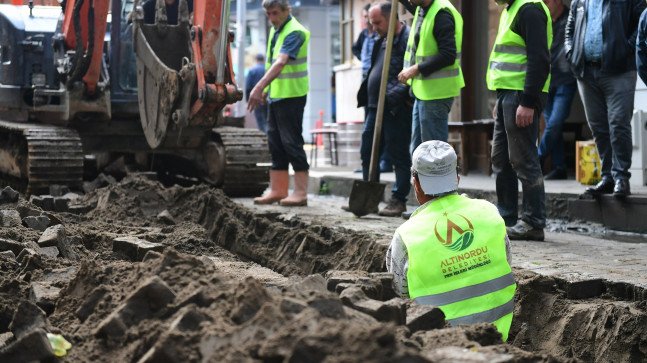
85 20
184 77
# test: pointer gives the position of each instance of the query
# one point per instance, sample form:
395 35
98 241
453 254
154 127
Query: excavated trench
301 303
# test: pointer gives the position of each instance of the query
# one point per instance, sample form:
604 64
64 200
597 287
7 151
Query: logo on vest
457 230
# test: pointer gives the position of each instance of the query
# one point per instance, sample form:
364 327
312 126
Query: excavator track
247 161
33 157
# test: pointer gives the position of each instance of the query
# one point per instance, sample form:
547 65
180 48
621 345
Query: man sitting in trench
453 252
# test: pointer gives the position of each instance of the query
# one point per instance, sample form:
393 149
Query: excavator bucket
165 77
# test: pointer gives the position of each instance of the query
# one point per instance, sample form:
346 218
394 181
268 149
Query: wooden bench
474 136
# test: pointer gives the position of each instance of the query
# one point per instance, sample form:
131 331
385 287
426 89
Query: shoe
394 208
603 187
524 231
347 209
622 188
556 174
357 170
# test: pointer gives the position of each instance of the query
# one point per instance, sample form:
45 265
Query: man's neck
398 28
427 3
558 13
285 22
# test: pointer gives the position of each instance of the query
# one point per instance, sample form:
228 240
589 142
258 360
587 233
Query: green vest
457 261
293 79
508 61
443 83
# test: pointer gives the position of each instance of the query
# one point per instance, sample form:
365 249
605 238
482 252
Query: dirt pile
191 302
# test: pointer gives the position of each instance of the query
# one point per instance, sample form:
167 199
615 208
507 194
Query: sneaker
556 174
394 208
524 231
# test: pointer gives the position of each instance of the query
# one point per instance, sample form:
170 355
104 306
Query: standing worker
253 76
397 113
363 50
560 95
600 44
432 68
463 265
519 71
285 84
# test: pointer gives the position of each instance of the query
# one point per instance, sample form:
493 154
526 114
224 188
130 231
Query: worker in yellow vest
453 251
285 85
432 68
519 72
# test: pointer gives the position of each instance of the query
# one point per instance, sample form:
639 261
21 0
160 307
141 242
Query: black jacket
397 94
619 28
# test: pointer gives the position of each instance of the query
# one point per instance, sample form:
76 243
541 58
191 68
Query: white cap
435 161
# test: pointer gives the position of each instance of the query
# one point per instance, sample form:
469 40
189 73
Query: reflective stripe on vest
293 80
488 316
448 81
467 292
508 60
457 261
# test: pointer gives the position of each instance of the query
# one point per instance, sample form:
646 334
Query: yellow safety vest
293 79
443 83
457 261
508 60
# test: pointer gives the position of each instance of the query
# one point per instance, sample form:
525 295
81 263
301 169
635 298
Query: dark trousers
284 134
556 112
609 104
514 158
394 141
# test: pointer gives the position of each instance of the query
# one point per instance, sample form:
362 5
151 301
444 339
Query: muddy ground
146 273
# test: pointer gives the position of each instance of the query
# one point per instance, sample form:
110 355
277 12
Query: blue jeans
395 142
514 158
284 134
430 121
558 107
260 113
608 104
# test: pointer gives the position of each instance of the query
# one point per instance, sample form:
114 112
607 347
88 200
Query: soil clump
197 277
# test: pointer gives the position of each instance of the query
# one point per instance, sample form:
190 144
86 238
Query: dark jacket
641 48
619 28
397 94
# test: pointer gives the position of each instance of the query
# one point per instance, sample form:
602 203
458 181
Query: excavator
91 77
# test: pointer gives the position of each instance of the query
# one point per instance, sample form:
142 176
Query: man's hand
494 109
524 116
255 98
408 73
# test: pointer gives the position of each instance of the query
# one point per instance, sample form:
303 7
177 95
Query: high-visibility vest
508 60
445 82
293 79
457 261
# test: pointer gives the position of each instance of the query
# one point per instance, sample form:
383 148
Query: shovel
366 195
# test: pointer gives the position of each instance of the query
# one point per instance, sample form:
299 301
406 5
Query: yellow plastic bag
59 344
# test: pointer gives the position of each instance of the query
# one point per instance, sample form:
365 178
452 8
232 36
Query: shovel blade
365 197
